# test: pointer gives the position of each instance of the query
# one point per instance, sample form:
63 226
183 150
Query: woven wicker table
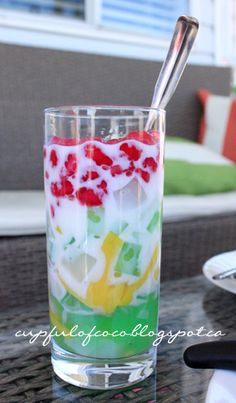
26 373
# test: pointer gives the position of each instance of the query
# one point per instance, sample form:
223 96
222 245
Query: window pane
156 17
72 8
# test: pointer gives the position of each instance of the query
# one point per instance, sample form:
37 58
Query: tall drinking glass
104 187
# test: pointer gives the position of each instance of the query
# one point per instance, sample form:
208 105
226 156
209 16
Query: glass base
102 373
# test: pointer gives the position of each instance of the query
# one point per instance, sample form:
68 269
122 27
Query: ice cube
130 196
79 268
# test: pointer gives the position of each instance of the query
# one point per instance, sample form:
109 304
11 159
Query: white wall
215 43
204 49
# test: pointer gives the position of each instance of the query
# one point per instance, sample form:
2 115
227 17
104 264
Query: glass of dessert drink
104 186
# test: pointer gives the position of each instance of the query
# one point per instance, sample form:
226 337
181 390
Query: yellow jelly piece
107 296
130 289
55 321
102 294
58 229
156 273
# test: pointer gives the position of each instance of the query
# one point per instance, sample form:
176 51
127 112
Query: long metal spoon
225 274
181 44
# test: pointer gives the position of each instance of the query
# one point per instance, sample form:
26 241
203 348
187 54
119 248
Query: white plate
222 387
216 265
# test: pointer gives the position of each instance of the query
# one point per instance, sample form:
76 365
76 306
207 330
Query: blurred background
131 28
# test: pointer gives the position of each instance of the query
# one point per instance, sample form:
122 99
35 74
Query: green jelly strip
152 224
70 301
71 241
123 226
93 216
95 221
128 260
58 306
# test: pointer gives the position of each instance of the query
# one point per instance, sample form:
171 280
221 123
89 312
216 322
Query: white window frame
223 50
89 29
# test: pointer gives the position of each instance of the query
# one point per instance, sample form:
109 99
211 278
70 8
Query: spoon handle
225 274
182 41
213 354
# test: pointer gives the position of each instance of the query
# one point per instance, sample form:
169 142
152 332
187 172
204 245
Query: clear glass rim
62 111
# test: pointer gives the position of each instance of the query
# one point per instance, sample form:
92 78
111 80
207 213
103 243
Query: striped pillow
218 124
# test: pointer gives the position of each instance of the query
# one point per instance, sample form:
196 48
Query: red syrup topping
103 186
144 175
52 211
97 155
116 170
53 158
141 136
131 151
92 197
90 175
64 188
150 162
130 170
64 141
88 197
71 164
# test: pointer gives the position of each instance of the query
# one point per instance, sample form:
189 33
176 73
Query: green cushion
182 177
196 178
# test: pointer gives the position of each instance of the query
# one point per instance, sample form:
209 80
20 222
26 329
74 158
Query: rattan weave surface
187 244
26 373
